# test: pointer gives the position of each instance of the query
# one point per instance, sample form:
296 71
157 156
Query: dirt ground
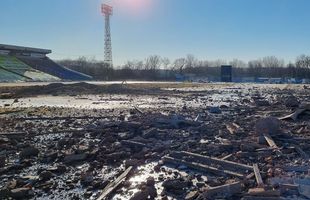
154 141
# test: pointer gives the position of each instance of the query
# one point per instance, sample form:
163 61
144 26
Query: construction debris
223 191
113 185
258 177
154 141
302 109
270 141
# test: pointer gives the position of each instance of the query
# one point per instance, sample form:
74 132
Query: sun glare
135 7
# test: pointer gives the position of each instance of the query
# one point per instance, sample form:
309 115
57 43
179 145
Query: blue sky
208 29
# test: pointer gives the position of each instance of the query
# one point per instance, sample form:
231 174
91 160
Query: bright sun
135 7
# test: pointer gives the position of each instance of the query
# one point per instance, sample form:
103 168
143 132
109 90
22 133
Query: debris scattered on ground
155 142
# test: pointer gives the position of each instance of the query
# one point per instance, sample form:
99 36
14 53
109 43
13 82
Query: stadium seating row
13 65
26 68
48 66
6 76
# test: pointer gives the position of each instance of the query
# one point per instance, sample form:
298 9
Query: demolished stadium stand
19 64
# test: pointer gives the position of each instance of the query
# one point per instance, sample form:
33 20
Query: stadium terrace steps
19 63
48 66
6 76
11 65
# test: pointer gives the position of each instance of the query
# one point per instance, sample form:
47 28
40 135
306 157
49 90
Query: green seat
15 66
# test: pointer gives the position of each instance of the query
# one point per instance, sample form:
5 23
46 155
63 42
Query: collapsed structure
18 64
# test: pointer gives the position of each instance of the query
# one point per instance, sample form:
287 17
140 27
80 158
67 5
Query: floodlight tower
107 11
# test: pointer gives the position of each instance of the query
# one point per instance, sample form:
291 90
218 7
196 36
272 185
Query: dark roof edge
25 49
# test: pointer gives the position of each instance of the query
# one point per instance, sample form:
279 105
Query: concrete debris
291 101
215 110
46 175
269 125
175 186
28 152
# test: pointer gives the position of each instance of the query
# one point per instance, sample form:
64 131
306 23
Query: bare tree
129 65
153 63
255 68
237 63
165 63
148 70
217 63
179 64
191 61
272 62
303 61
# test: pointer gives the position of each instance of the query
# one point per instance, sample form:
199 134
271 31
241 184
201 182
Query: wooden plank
201 167
250 176
226 157
226 190
258 177
211 160
137 109
261 192
232 128
294 115
197 118
270 141
131 143
113 185
261 198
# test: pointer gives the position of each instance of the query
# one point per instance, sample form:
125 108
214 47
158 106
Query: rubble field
155 141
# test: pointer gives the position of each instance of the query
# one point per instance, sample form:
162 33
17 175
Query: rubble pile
239 143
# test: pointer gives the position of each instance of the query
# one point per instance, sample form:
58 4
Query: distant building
226 73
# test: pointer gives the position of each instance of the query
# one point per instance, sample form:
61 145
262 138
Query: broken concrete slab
28 152
269 125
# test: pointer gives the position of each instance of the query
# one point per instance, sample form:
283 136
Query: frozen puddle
108 102
145 171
